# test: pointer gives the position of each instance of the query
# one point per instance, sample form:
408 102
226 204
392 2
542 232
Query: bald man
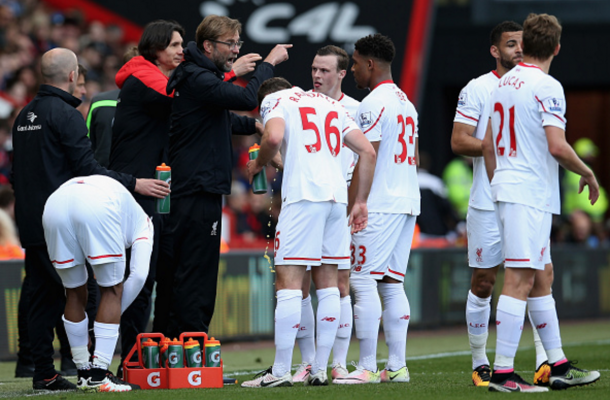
51 147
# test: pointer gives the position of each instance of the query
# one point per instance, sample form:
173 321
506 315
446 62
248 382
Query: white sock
477 319
367 312
329 311
106 336
509 325
540 352
287 320
306 333
78 337
396 315
344 333
543 315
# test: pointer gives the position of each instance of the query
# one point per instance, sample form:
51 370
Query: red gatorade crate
198 377
134 371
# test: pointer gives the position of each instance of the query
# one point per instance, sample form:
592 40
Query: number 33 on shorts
357 260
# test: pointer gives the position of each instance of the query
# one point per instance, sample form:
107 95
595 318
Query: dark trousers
196 222
135 319
47 303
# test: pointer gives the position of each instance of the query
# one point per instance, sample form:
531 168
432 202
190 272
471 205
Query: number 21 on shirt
499 108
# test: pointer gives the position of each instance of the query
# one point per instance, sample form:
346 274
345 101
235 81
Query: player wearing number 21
523 145
380 252
310 128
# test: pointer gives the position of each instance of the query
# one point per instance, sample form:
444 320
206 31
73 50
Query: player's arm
565 155
463 142
488 152
362 178
273 135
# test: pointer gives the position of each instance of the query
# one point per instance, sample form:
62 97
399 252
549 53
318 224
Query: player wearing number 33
524 143
380 252
310 128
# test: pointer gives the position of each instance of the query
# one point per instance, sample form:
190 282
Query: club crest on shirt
555 105
462 99
366 119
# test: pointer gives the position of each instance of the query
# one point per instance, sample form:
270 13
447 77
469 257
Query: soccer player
522 148
95 219
484 241
328 69
380 253
310 128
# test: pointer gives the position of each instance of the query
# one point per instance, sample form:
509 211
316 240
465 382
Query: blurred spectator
10 249
581 230
457 175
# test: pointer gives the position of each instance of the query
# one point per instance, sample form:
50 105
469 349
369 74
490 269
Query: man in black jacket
201 158
51 146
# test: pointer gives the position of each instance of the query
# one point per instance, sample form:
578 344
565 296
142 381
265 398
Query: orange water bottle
212 353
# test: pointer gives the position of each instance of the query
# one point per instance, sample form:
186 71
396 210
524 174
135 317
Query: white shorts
312 233
383 247
106 275
525 235
484 240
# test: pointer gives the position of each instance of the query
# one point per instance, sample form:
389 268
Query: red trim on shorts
301 259
397 273
466 116
336 258
62 262
518 259
377 273
104 256
372 126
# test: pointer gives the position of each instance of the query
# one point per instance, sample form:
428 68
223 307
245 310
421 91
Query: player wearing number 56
310 128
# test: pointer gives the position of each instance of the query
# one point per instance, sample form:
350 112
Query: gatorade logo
173 358
196 358
215 357
194 378
154 379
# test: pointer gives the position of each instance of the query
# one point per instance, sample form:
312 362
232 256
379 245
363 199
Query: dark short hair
506 26
82 70
156 37
332 50
541 34
377 46
272 85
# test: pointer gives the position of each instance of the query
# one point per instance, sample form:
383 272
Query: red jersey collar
496 74
529 65
382 83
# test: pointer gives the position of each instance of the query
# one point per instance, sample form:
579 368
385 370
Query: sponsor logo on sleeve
366 119
555 105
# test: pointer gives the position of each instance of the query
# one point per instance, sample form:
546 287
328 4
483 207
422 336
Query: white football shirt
525 101
473 109
349 157
388 117
312 144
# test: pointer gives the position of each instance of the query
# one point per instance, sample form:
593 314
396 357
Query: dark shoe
571 377
542 375
511 382
53 384
24 370
68 368
481 375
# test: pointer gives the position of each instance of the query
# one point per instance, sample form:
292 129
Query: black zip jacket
50 147
200 149
140 134
99 123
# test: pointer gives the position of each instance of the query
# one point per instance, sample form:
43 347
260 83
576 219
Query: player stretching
521 158
380 253
310 128
484 242
94 219
328 69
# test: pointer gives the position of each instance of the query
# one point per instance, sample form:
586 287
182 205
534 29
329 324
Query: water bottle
163 173
259 182
212 353
192 353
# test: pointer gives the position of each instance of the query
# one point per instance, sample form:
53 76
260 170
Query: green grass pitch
438 361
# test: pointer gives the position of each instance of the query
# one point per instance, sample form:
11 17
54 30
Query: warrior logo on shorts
479 253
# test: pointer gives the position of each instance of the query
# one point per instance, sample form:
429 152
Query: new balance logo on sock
302 328
328 319
348 325
498 323
541 326
405 317
296 326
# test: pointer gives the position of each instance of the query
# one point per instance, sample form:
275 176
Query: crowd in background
28 28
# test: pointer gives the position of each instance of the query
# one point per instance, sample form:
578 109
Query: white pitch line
440 355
